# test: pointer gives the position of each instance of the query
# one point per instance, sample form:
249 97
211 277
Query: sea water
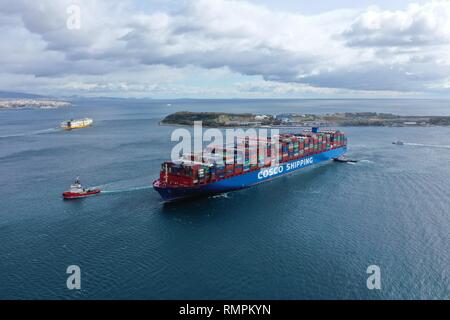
307 235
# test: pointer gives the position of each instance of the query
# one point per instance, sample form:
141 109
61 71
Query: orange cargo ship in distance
76 124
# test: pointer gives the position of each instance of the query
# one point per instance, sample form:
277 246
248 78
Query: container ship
196 175
76 124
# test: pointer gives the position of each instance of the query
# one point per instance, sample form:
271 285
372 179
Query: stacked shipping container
195 169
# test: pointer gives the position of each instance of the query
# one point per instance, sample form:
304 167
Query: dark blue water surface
309 235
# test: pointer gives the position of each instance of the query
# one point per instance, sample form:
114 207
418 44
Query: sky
226 48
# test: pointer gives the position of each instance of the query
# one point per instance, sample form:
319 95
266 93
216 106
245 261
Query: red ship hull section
74 195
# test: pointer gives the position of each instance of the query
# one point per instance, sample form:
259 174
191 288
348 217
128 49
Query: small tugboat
77 191
344 159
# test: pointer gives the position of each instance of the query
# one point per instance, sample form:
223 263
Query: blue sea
311 235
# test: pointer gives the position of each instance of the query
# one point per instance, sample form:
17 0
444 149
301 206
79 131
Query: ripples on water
308 235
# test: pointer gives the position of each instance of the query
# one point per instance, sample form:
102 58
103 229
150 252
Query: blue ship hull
248 179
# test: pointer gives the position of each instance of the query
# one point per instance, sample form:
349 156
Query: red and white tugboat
77 191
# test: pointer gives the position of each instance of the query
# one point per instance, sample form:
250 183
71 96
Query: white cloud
121 47
418 25
261 88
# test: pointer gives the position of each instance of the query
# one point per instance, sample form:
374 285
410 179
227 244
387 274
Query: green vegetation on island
223 119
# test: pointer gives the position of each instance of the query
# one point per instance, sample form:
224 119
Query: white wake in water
31 133
365 161
426 145
221 195
125 190
360 162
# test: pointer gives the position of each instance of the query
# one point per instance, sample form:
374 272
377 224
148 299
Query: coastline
294 120
27 104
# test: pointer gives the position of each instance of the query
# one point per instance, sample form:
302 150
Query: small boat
76 124
399 143
77 191
344 159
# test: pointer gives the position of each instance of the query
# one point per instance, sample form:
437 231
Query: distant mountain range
20 95
25 95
